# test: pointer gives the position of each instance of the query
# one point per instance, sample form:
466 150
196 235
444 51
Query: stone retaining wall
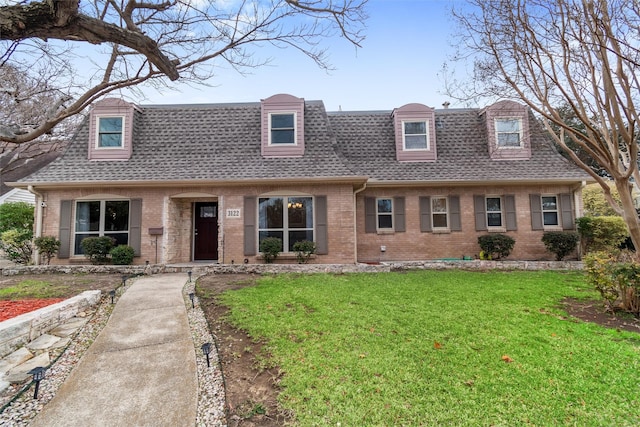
20 330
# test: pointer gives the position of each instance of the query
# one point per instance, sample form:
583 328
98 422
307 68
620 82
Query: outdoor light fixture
189 273
38 375
206 349
124 279
192 297
112 294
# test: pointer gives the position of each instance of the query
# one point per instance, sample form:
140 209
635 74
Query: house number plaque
233 213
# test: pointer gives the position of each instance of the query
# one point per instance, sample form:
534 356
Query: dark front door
205 231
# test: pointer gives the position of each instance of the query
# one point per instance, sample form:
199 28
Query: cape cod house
183 183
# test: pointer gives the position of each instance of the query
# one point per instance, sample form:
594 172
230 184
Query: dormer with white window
111 130
282 133
415 133
508 131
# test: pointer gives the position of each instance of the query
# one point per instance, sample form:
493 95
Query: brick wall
416 245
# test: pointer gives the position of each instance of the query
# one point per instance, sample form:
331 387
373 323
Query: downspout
355 221
38 220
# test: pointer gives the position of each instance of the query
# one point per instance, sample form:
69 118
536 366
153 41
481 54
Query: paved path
140 371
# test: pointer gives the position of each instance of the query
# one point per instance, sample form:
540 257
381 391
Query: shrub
496 246
602 233
17 245
47 246
16 215
122 255
617 282
97 248
270 248
561 243
304 249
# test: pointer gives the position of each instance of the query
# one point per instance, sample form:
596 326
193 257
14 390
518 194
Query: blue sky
407 42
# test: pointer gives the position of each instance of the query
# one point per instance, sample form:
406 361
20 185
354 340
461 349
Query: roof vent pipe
446 104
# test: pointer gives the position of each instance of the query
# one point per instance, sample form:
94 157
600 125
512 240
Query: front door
205 232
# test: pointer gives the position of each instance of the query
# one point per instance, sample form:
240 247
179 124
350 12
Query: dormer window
282 125
282 129
110 131
415 135
508 132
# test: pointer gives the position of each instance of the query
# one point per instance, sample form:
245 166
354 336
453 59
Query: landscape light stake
189 273
38 375
112 294
124 279
206 349
192 297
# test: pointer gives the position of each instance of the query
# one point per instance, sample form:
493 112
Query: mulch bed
9 309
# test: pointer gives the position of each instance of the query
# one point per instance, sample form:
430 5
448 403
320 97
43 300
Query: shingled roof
221 142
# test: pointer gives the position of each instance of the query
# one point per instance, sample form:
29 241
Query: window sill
497 229
441 231
552 228
385 231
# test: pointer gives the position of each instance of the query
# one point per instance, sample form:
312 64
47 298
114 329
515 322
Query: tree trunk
629 212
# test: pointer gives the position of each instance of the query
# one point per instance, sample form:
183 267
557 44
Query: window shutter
479 208
510 212
64 232
250 226
425 214
370 215
398 214
536 212
454 213
135 225
566 206
322 238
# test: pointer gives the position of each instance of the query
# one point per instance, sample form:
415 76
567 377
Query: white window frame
426 134
101 227
122 131
434 213
389 214
285 220
502 225
295 128
556 210
519 133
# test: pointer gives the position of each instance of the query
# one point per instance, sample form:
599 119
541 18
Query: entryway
205 231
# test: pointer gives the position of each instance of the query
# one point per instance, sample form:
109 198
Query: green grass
28 289
362 349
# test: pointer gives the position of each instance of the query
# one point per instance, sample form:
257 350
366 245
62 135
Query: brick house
184 183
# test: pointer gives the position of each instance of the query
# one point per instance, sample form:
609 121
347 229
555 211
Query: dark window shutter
510 212
64 232
479 208
322 237
566 206
454 214
398 214
370 215
536 212
425 214
135 225
250 226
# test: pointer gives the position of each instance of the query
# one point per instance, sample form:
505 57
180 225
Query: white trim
520 132
558 225
391 214
101 231
434 228
285 220
123 136
295 128
502 227
426 134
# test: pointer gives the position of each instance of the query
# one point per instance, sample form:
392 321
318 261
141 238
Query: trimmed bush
16 215
17 245
97 249
47 246
496 246
270 248
561 243
122 255
602 233
616 279
304 249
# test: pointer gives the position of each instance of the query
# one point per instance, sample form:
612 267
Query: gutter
38 219
355 219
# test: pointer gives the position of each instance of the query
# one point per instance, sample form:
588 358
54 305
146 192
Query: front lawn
440 348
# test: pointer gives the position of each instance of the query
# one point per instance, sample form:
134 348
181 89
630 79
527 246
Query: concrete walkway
140 371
